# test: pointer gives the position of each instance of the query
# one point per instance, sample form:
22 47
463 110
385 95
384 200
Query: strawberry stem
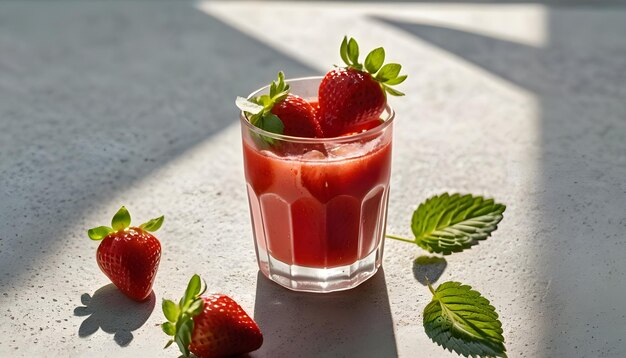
180 322
400 239
387 75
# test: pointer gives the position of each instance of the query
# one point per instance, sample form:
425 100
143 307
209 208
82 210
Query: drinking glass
318 205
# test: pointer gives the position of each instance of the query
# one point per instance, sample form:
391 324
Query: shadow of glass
354 323
428 268
108 309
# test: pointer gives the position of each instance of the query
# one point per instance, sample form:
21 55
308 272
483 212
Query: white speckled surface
110 103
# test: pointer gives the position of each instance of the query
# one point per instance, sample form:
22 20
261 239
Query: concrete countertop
111 103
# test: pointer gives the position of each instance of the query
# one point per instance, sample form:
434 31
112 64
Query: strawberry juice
318 205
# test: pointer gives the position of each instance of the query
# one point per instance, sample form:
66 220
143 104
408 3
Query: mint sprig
121 220
179 316
387 75
259 109
452 223
461 320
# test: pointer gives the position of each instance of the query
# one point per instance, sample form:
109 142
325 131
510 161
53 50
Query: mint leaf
452 223
271 123
248 106
99 233
374 60
153 225
121 219
459 319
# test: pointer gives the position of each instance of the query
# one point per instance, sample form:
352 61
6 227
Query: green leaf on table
121 219
452 223
461 320
99 233
153 225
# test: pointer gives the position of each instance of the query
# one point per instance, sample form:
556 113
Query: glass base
321 280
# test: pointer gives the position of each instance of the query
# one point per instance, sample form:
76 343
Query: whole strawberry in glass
282 112
129 256
352 98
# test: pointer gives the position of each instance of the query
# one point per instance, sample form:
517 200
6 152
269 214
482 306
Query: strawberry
281 112
129 256
353 95
209 326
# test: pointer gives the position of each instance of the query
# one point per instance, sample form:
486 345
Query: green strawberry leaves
99 233
192 289
461 320
153 225
121 220
387 75
179 317
452 223
388 71
171 311
374 60
258 109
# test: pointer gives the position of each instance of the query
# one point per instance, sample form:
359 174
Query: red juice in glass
318 205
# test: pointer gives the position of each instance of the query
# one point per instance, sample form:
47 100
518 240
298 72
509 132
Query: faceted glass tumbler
318 205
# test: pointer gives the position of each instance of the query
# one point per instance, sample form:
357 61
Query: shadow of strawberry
114 313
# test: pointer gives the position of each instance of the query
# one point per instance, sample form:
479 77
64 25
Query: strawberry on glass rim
129 256
209 326
352 98
281 112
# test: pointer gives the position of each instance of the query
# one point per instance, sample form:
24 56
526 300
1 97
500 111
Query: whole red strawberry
129 256
281 112
209 326
353 95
